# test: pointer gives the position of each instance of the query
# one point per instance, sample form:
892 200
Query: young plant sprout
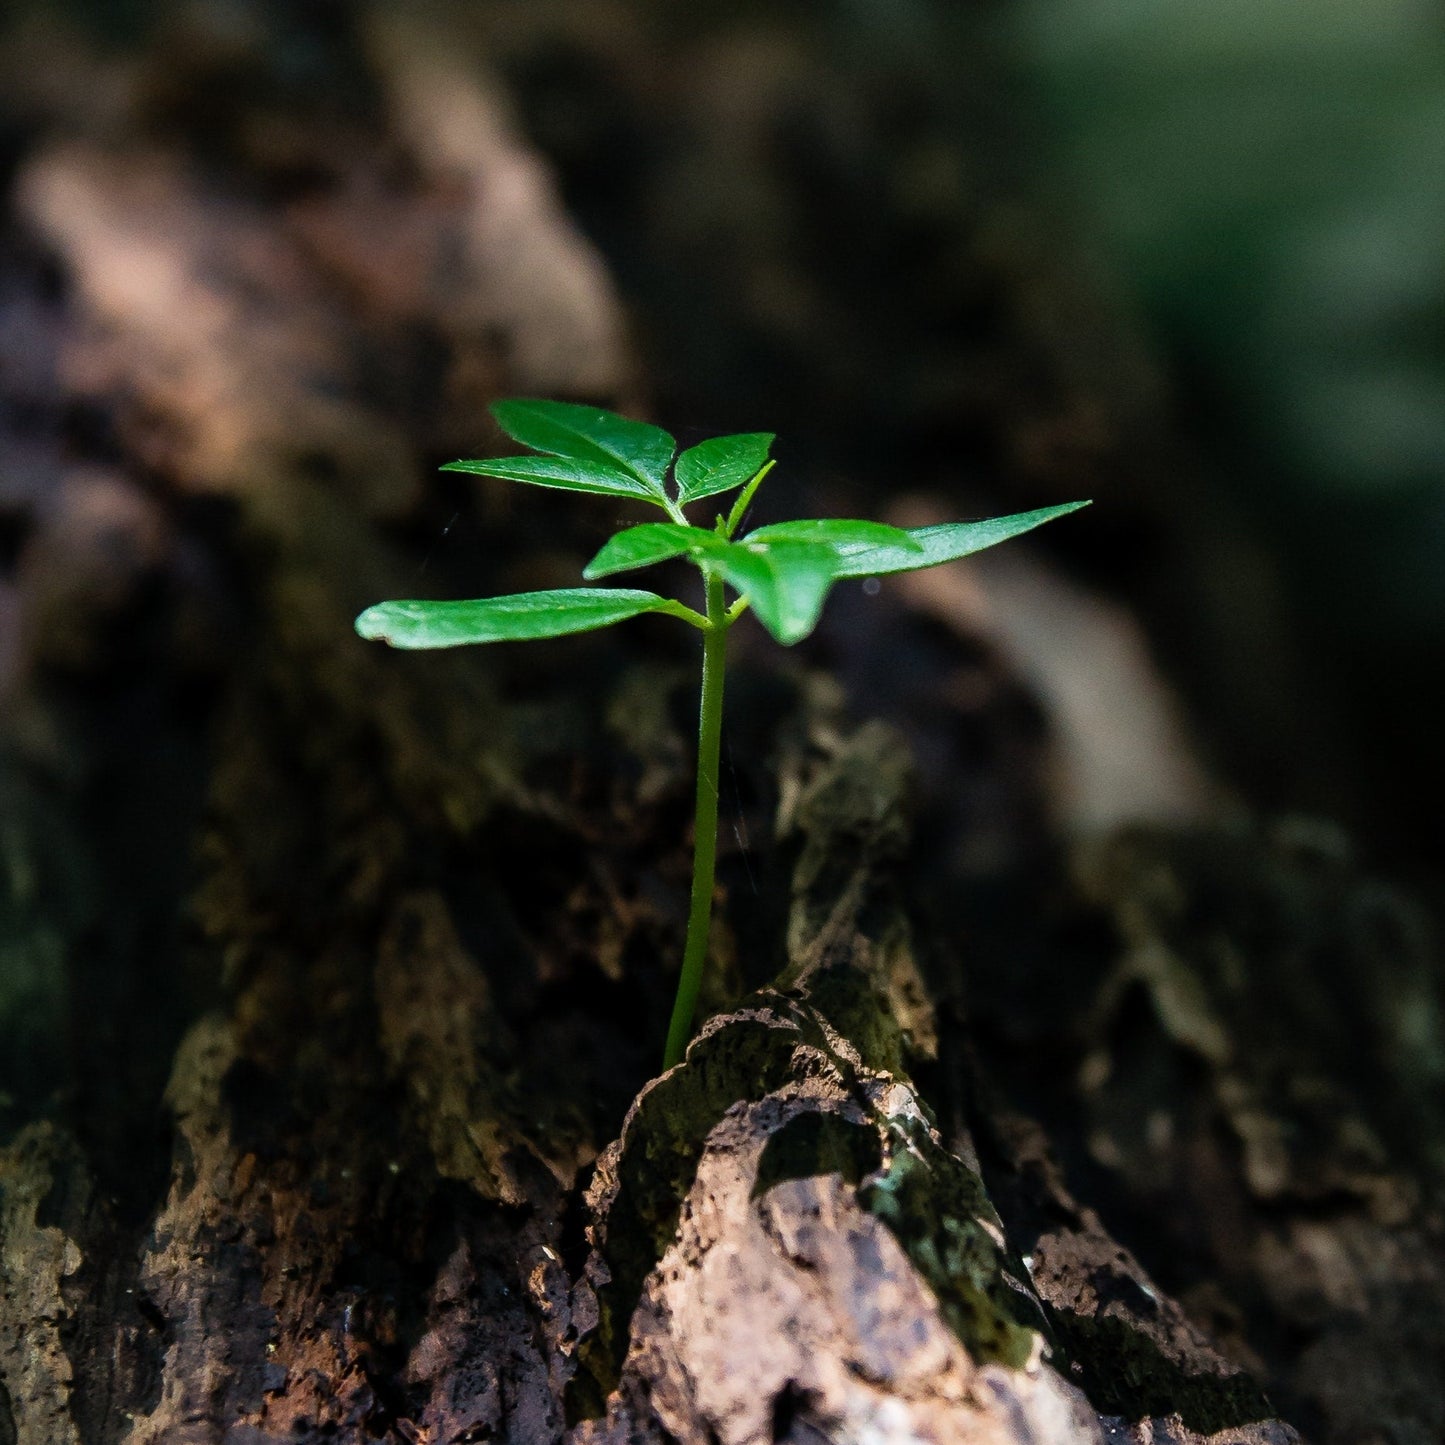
781 573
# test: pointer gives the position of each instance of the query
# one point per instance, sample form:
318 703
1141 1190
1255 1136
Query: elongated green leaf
785 582
841 535
743 501
515 618
649 543
720 464
944 543
589 434
565 473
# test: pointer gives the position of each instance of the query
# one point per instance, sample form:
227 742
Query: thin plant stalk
704 855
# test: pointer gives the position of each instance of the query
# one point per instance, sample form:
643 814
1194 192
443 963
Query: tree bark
400 931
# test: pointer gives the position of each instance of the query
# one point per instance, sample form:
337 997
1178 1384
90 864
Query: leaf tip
372 624
507 406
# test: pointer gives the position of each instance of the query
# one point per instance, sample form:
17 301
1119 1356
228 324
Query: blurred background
1183 257
1265 187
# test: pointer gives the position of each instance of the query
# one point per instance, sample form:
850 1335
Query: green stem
704 848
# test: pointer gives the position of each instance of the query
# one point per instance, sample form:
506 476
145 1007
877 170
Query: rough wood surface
341 976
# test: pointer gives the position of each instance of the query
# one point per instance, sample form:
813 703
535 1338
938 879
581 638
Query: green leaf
841 535
649 543
589 434
720 464
516 618
565 473
743 501
944 543
785 582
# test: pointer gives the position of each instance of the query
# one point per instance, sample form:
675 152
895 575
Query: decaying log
801 1257
412 1178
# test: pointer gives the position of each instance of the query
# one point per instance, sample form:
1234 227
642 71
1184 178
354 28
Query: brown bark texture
336 979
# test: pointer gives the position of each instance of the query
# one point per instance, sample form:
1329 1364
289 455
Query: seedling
780 572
